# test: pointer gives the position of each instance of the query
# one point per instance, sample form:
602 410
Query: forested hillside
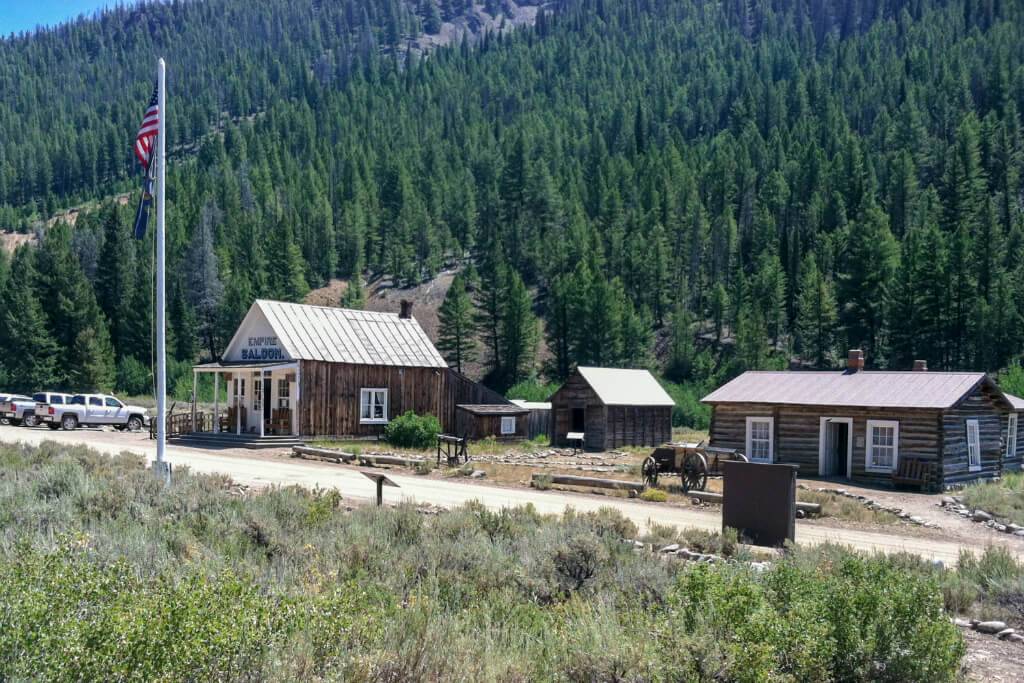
702 187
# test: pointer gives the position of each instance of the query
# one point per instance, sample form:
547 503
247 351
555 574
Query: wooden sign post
381 480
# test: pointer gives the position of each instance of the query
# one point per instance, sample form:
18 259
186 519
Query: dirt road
260 468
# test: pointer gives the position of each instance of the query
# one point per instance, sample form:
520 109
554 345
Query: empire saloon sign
262 349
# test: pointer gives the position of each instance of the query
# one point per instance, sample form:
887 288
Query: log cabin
314 371
874 427
612 407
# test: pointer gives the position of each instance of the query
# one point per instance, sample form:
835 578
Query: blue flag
142 214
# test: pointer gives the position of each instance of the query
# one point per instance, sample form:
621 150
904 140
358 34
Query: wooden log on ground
571 480
716 498
325 454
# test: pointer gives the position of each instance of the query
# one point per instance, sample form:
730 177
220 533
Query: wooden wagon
693 462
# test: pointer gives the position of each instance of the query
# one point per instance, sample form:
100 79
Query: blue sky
25 15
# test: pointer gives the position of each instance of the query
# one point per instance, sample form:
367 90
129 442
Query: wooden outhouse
612 407
871 426
313 371
499 421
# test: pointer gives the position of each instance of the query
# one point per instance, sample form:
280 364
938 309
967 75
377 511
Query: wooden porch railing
181 423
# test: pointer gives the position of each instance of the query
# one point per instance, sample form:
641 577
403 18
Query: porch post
238 404
195 384
296 427
263 401
216 403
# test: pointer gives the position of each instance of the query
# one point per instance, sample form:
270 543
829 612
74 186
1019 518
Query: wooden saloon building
935 428
310 371
612 407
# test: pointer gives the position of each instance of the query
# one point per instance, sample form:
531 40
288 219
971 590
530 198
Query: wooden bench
915 472
229 422
281 421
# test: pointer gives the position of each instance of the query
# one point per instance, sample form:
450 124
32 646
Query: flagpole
161 326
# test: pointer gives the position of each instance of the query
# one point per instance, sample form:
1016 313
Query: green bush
134 377
532 390
413 431
654 496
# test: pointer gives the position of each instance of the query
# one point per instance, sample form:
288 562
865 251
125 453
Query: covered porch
260 399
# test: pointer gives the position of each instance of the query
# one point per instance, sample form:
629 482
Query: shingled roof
864 389
341 335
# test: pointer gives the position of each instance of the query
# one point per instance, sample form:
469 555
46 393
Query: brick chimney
406 311
855 360
920 366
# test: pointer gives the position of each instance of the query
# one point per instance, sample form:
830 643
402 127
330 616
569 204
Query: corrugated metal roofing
864 389
619 387
531 405
492 409
1015 401
341 335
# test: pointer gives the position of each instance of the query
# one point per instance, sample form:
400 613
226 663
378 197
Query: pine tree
202 276
519 332
682 350
872 257
93 366
457 332
719 305
817 312
30 352
286 268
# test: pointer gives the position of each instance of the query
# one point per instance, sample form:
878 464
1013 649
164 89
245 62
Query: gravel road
265 468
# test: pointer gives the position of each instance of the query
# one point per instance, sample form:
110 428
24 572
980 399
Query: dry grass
849 509
1003 498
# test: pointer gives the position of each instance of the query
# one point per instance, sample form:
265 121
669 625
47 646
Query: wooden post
216 403
195 387
238 408
380 492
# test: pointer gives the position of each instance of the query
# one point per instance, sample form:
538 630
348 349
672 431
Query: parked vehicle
95 410
46 402
16 409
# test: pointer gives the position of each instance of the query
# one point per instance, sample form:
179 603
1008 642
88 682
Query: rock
633 493
947 501
670 548
695 501
690 555
800 514
1014 528
904 515
981 516
760 567
916 520
938 564
989 626
1000 528
477 474
962 623
963 512
1006 633
841 492
1015 638
1019 533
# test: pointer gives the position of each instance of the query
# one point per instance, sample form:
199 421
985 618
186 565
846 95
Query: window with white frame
284 389
973 446
257 394
883 445
759 439
508 425
1011 436
373 406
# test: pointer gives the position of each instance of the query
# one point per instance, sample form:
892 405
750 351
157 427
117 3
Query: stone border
993 628
881 507
954 505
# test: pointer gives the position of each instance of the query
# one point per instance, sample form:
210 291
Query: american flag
148 129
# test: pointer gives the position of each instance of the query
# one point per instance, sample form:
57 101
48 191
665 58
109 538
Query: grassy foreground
1003 498
106 575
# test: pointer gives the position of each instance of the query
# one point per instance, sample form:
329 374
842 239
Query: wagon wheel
649 470
741 457
694 473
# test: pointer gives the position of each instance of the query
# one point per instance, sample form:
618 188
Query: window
508 425
973 446
39 398
284 389
373 406
95 401
883 445
57 400
113 402
1011 437
77 400
759 438
257 394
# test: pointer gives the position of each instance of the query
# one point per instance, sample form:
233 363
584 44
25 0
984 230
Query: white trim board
823 421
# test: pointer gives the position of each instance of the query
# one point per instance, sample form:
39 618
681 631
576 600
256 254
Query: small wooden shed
503 422
539 419
613 407
864 425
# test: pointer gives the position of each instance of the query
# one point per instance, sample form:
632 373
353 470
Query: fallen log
716 499
330 455
572 480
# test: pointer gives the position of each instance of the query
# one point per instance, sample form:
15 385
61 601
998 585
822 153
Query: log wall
982 405
607 426
638 426
576 393
329 397
797 433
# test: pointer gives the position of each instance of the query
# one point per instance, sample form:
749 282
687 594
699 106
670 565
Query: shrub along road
259 469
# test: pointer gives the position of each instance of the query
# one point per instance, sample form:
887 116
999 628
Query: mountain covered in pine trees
695 187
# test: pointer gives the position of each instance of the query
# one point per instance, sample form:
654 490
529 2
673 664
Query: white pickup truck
16 409
46 401
94 410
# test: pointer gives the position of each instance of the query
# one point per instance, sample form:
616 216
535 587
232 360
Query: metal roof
531 405
1016 402
341 335
619 387
864 389
492 409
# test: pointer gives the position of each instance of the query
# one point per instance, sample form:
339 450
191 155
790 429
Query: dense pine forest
692 186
